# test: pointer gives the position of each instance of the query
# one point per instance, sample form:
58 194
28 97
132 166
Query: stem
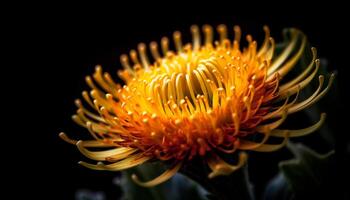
235 186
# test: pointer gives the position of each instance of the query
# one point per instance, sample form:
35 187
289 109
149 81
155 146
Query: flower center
197 81
192 96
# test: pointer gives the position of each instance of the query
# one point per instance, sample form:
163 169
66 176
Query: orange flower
203 99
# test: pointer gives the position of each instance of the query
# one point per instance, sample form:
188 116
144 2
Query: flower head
205 99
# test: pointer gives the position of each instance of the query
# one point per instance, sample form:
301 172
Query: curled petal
86 143
117 153
143 56
132 161
290 64
232 150
81 120
87 98
264 47
64 137
154 51
286 52
279 109
196 37
160 179
98 77
313 98
270 51
87 112
249 145
301 85
273 147
91 131
100 99
268 127
208 34
219 167
300 132
91 166
303 74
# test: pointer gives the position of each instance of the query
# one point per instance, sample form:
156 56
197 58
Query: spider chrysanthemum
205 99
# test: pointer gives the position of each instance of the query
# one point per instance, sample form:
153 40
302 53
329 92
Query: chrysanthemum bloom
204 99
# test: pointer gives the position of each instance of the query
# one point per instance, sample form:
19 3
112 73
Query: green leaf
278 189
309 174
234 186
178 187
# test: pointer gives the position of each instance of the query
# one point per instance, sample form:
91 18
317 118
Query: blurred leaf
234 186
178 187
278 189
85 194
309 174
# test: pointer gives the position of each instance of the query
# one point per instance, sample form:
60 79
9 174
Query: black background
65 43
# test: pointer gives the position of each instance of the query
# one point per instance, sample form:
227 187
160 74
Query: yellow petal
279 112
87 112
64 137
91 166
100 80
264 47
303 74
313 98
229 151
219 167
300 85
300 132
273 147
291 62
195 37
132 161
268 127
279 109
86 143
249 145
286 52
117 154
160 179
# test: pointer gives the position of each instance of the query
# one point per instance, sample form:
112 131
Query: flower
203 99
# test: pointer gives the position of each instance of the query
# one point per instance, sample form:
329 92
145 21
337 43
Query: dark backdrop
71 41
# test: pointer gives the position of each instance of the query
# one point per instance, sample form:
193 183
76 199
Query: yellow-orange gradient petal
205 98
